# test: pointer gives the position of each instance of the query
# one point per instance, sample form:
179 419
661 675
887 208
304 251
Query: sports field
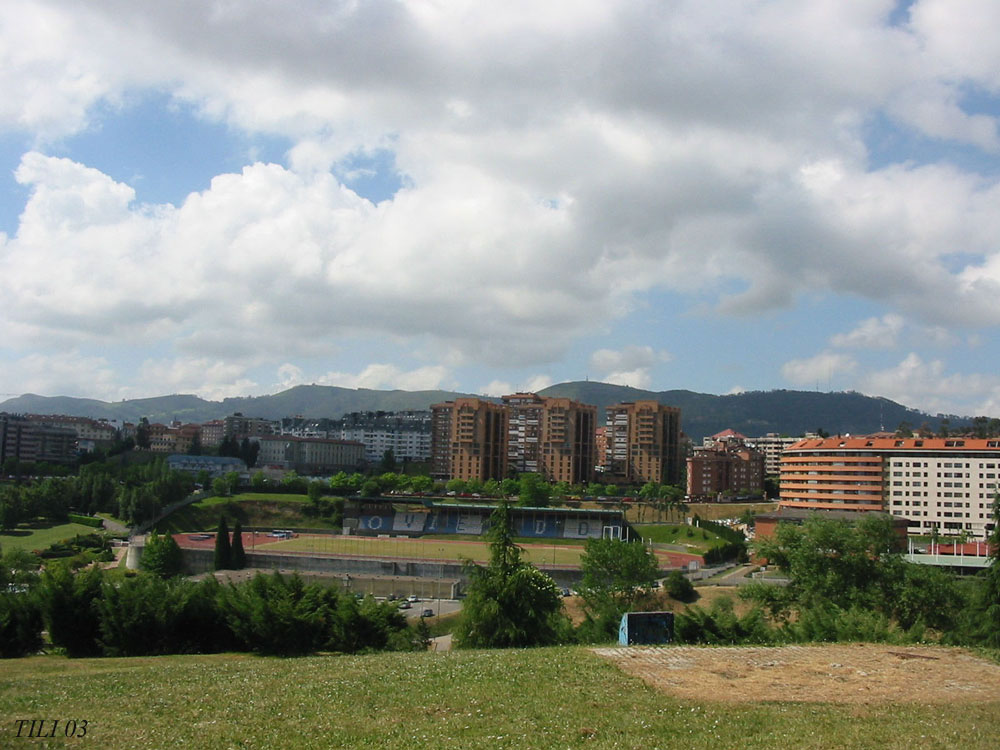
457 550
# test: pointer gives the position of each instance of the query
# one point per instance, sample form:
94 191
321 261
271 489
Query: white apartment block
943 483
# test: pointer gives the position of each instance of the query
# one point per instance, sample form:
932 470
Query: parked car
413 598
427 613
405 605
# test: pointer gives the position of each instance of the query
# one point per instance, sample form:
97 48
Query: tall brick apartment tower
468 440
643 443
551 436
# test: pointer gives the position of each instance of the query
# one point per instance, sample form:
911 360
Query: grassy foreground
557 697
41 535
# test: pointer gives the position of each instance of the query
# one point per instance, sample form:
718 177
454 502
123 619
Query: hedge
97 523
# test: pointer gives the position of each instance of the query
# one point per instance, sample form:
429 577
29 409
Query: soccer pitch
422 549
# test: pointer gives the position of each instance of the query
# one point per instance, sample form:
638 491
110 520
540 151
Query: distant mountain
753 413
303 400
759 412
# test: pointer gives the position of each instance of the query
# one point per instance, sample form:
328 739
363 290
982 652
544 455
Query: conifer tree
238 555
223 550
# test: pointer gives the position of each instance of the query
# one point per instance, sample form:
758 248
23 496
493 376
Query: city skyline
491 198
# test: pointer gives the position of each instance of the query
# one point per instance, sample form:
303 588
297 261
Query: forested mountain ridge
753 413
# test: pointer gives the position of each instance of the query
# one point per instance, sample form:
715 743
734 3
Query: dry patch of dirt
856 673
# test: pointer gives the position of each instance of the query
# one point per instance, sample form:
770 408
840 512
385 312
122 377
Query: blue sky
202 197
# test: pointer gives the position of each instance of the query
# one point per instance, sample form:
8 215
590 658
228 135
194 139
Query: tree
509 603
830 561
985 613
534 491
223 549
162 556
238 556
248 452
616 573
679 587
258 481
142 434
388 462
315 491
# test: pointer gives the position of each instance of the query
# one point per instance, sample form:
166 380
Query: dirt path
855 673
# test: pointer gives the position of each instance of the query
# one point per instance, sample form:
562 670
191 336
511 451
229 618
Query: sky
230 199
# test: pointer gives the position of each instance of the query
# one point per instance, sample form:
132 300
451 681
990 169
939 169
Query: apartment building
554 437
468 440
727 469
943 483
310 456
238 427
406 433
772 445
643 439
31 442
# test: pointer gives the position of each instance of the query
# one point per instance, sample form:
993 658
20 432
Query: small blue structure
646 628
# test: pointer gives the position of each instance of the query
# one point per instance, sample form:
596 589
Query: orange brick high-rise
551 436
643 439
469 440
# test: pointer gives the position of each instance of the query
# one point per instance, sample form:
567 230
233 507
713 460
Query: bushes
161 556
20 624
88 614
679 587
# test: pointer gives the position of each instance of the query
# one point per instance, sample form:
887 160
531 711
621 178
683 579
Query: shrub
679 587
20 624
97 523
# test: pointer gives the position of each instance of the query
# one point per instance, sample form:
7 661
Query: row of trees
89 614
132 492
848 582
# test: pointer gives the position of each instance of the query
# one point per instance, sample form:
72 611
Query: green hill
536 698
752 413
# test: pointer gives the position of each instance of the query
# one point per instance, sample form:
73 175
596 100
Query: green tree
69 608
509 603
315 491
533 491
458 486
223 548
220 487
421 483
679 587
162 556
615 574
238 556
388 462
985 612
142 434
258 481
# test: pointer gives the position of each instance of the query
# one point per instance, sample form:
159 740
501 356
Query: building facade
725 472
772 445
946 484
643 443
310 456
31 442
469 440
554 437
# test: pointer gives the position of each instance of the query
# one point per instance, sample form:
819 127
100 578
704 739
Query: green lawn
541 698
699 542
41 535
